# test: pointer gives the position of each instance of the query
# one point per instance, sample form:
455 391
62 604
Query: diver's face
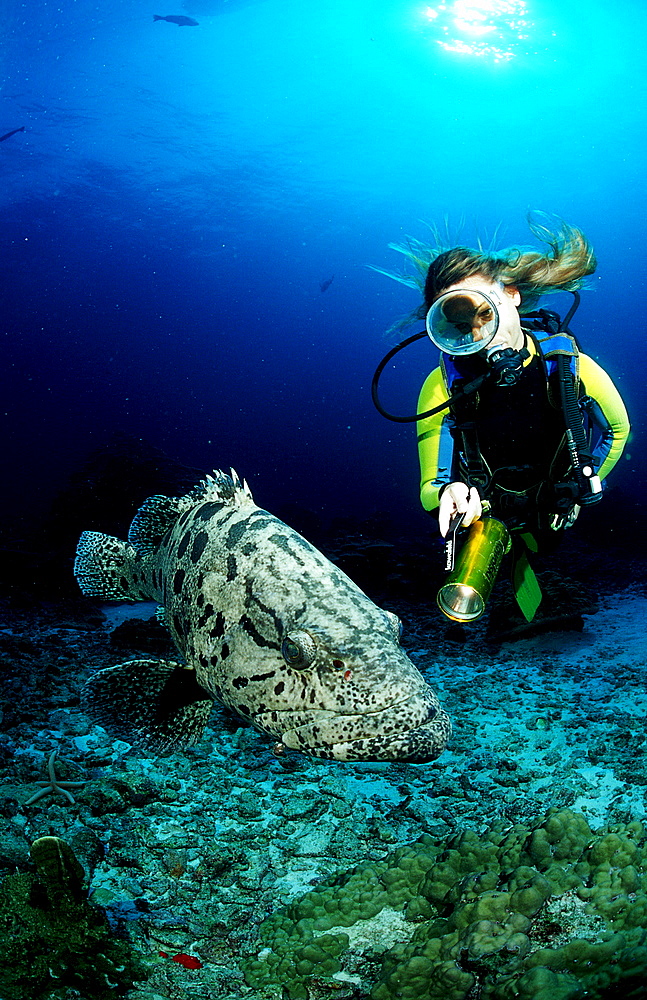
506 298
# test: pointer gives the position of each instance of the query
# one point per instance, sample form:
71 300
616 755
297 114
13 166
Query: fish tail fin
103 568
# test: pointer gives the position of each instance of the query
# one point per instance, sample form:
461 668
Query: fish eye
394 624
298 649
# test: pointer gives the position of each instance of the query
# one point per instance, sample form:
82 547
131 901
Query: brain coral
547 911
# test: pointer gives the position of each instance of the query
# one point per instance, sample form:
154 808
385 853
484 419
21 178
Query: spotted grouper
265 624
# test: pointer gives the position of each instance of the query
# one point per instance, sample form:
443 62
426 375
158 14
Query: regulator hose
465 391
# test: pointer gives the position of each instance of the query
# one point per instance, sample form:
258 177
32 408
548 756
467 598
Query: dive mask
462 321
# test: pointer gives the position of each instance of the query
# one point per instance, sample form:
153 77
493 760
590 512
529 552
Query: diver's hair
562 267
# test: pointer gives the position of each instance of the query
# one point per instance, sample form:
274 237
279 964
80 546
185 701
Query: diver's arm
608 414
436 452
435 442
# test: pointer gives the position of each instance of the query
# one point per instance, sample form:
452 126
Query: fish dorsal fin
222 488
159 513
153 519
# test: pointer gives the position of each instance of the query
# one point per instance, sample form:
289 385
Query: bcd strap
477 474
464 412
562 358
558 345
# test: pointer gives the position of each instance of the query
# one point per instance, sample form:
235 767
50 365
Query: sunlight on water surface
496 30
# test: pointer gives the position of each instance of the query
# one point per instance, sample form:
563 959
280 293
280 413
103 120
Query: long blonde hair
563 267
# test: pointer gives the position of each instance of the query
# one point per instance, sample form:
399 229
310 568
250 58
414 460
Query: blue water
180 193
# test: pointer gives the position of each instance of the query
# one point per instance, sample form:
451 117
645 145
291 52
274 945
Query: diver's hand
458 498
565 520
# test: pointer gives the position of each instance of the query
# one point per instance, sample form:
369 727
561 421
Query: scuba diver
517 429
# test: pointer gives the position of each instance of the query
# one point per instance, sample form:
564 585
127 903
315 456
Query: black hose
376 378
465 391
563 326
569 401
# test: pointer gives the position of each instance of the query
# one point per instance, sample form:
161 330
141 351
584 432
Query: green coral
545 911
52 939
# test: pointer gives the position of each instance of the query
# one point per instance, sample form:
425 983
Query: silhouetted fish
13 132
178 19
323 285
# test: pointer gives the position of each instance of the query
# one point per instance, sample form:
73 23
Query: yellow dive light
462 598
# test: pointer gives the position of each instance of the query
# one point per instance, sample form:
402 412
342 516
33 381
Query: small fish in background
326 283
188 961
264 624
179 19
13 132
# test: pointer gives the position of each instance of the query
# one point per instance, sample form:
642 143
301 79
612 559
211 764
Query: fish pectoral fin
152 704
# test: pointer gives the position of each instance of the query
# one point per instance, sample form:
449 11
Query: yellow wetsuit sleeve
611 412
435 445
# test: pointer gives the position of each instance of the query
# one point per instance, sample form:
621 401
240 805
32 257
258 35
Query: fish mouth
388 735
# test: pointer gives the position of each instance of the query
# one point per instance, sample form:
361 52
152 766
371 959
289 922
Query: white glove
458 498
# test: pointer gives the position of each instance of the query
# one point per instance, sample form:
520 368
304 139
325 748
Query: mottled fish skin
273 629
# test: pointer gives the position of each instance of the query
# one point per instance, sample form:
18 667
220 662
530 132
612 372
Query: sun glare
496 30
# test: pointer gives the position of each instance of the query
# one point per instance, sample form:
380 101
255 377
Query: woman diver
515 422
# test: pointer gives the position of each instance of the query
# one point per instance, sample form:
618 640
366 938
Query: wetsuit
519 432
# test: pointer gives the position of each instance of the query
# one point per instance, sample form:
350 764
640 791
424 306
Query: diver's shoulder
589 366
599 384
433 390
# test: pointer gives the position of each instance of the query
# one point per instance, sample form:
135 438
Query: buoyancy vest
559 406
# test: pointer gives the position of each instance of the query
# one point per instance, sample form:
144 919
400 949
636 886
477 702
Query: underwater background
180 194
192 218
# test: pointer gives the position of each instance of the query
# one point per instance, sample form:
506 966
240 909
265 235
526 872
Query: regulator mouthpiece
464 596
507 364
462 321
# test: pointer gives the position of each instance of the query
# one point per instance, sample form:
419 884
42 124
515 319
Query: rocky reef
188 854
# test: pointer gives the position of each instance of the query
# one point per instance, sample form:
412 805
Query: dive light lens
462 321
460 602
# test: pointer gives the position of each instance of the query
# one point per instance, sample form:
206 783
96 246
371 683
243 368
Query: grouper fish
265 624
